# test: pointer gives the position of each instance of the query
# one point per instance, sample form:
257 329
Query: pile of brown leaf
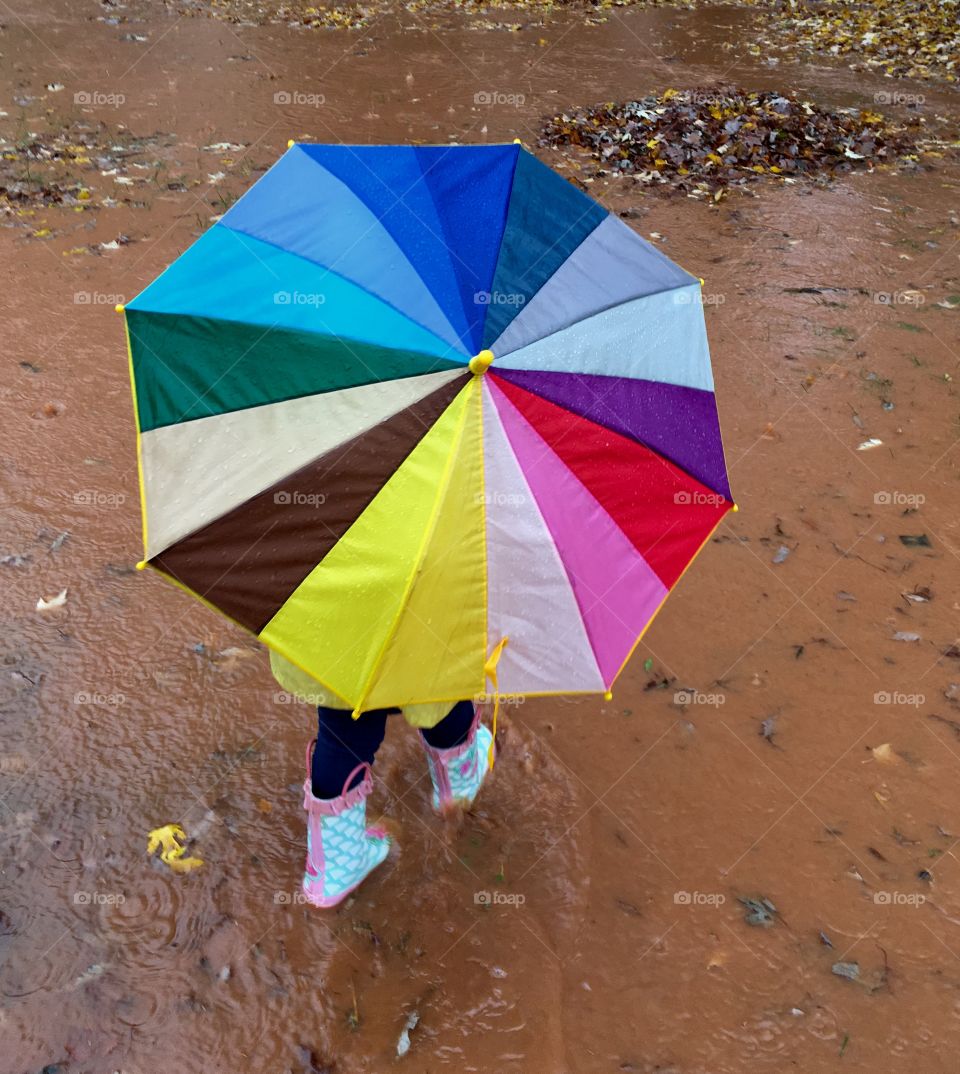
702 141
355 14
900 38
58 165
294 13
54 171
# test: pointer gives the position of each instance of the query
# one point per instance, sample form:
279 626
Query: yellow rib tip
736 507
517 141
608 696
702 280
481 362
119 307
142 565
291 143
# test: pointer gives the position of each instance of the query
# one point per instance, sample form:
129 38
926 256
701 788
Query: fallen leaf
403 1043
884 753
54 602
920 595
849 970
717 960
15 560
170 840
760 911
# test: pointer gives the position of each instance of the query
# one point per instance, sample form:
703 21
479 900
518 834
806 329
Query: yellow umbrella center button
481 362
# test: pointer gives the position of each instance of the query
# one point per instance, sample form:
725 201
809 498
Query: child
341 849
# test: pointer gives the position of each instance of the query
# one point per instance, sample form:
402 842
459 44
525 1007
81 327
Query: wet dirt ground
777 736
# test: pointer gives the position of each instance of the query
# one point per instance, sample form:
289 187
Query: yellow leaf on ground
183 865
884 753
169 840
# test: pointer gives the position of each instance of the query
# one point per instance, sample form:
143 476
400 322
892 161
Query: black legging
343 742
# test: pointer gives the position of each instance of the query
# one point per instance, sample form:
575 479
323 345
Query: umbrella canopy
401 403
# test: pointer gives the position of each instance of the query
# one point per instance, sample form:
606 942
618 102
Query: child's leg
342 744
459 752
341 849
453 729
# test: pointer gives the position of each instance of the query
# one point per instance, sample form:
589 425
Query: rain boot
341 849
459 772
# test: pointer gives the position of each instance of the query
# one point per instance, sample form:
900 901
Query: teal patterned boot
459 772
341 849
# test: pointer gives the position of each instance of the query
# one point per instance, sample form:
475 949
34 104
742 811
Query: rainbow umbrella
402 405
